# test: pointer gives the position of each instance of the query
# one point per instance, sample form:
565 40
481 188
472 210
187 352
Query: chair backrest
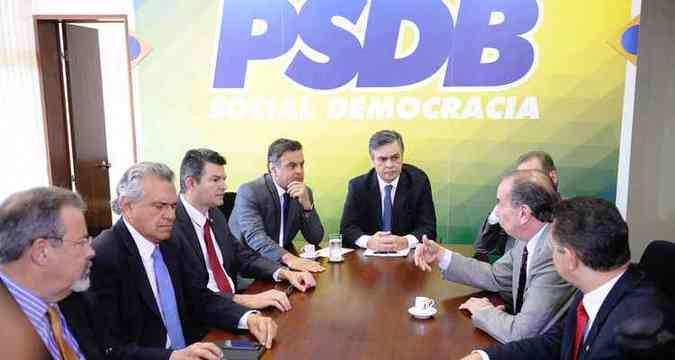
657 261
228 204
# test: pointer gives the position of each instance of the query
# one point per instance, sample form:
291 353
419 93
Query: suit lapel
184 225
293 208
627 281
269 184
173 265
517 254
136 267
400 198
375 199
217 226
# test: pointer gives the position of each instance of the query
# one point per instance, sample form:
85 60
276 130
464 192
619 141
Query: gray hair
546 161
130 185
279 147
534 189
384 137
33 214
194 162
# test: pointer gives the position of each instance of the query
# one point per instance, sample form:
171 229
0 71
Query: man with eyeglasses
389 208
45 257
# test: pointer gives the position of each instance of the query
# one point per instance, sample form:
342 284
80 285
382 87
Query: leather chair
228 204
657 261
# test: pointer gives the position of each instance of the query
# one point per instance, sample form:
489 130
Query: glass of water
335 247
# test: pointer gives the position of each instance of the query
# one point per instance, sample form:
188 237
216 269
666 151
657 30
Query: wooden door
87 122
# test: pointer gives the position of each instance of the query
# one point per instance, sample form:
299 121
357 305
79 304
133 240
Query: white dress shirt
594 299
362 241
145 249
198 221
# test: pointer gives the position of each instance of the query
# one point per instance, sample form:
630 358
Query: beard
84 282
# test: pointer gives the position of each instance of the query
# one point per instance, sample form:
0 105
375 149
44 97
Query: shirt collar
532 244
594 299
15 288
195 215
382 183
145 246
280 191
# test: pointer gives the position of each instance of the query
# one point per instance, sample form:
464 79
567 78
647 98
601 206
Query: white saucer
422 314
305 256
337 261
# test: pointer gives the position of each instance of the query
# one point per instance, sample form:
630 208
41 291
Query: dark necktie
167 301
386 214
284 214
582 321
521 282
217 270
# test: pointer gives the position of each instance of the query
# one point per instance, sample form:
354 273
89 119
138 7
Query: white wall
23 153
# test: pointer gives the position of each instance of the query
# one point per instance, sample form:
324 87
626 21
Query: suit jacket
238 258
23 341
126 299
412 212
547 296
256 219
84 321
631 296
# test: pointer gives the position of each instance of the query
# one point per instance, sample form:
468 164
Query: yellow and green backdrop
469 84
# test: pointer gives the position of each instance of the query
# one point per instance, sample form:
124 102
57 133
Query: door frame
51 154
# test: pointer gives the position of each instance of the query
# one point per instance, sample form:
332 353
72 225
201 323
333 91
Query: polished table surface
359 310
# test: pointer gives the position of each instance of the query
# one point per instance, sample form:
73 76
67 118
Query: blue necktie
386 214
167 300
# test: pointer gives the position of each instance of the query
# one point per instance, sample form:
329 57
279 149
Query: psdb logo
452 46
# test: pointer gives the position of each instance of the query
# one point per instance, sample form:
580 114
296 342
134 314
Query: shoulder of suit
413 170
363 178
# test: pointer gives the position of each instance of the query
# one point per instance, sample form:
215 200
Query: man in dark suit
591 251
45 256
155 303
390 207
219 257
492 240
270 210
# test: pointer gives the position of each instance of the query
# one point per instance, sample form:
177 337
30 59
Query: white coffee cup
423 303
309 250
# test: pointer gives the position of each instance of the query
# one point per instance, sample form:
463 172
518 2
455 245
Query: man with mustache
270 210
45 257
156 305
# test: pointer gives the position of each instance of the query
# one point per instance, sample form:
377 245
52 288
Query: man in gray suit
540 296
270 210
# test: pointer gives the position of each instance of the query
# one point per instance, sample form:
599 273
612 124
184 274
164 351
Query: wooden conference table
359 310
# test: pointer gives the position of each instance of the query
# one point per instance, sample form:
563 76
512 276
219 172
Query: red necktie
582 320
216 269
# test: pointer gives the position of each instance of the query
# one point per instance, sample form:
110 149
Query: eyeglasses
84 242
